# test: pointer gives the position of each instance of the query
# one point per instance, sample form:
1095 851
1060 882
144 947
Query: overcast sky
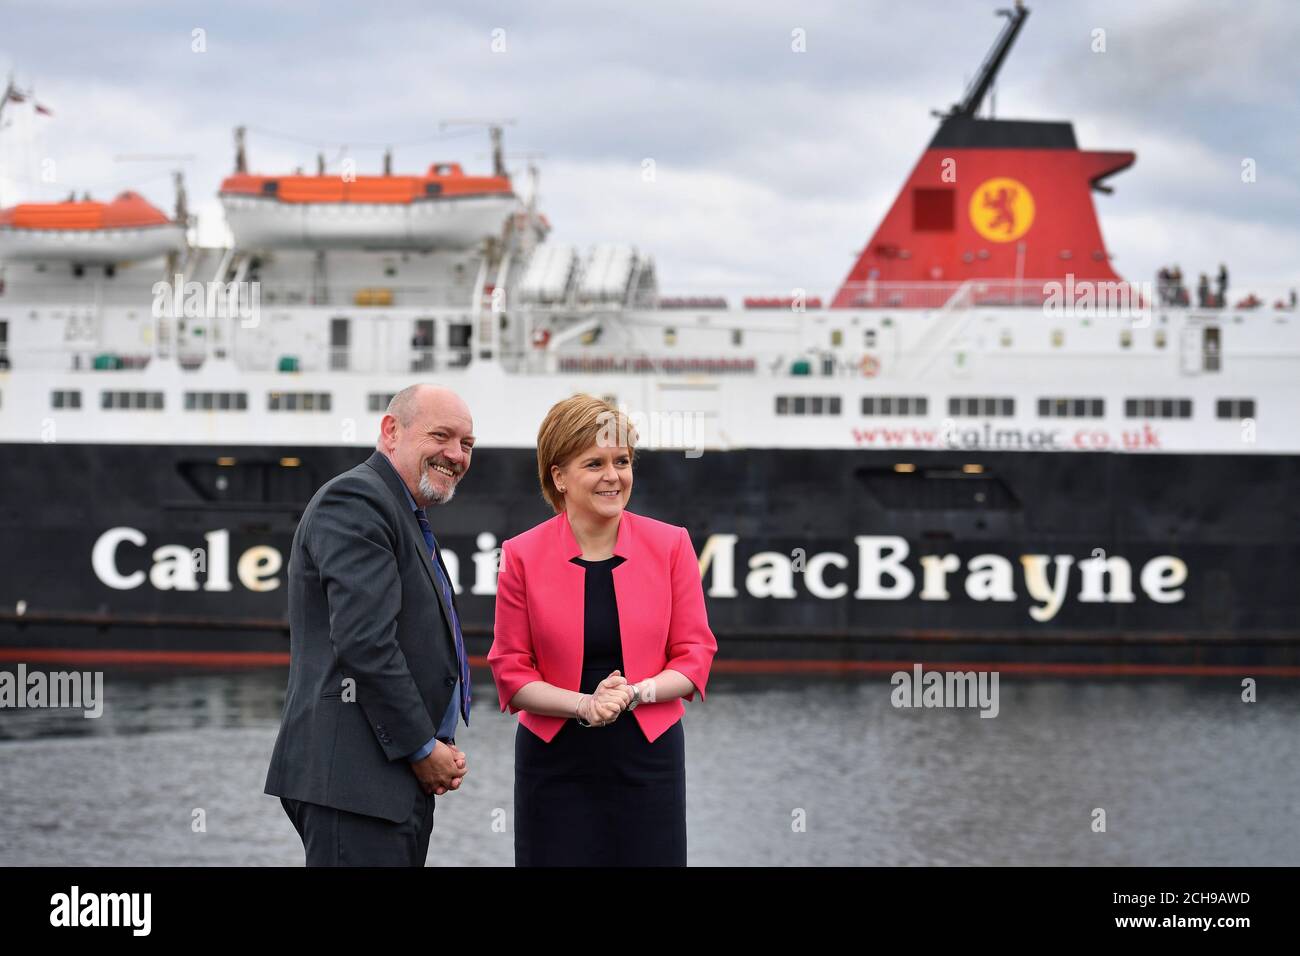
772 167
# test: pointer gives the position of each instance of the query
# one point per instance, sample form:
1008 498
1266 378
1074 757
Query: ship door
422 346
340 333
1210 349
1201 349
458 343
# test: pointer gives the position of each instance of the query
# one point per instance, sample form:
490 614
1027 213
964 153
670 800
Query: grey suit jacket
363 605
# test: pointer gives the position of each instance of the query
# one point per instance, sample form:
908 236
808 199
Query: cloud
773 167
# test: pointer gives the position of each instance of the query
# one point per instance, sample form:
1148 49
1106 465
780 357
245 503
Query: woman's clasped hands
611 698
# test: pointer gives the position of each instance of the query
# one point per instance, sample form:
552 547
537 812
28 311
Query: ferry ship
985 446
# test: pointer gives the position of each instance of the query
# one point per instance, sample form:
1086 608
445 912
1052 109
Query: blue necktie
445 586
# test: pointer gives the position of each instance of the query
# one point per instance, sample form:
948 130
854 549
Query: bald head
407 403
428 435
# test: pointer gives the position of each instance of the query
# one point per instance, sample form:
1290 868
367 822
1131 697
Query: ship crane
988 71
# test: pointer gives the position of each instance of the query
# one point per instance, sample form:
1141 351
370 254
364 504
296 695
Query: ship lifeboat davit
442 209
87 231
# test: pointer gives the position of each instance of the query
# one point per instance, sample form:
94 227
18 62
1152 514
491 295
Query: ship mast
988 71
4 97
494 128
241 158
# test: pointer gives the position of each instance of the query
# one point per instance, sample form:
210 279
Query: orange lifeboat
126 229
444 208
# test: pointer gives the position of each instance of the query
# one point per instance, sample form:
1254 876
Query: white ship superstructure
318 349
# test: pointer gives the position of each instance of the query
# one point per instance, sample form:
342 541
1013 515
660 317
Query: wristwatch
636 697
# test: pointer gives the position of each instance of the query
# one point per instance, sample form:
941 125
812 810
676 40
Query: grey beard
430 496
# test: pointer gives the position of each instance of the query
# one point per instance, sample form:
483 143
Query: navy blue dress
600 796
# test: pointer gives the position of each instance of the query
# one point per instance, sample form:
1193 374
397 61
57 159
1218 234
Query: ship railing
1120 295
654 365
136 292
870 294
811 363
347 360
81 295
896 295
63 359
371 295
107 359
287 361
972 293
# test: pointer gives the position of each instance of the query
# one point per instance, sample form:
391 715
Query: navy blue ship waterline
148 548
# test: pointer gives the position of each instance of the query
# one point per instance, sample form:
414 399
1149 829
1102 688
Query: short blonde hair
569 427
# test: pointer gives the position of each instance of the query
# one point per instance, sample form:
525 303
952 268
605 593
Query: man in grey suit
377 669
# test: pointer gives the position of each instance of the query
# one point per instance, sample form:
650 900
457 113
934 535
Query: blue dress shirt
447 728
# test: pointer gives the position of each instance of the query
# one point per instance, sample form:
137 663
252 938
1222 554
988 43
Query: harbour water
803 771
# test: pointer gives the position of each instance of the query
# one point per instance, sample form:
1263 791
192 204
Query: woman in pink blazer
600 632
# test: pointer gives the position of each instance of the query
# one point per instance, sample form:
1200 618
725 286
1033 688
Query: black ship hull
1050 562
